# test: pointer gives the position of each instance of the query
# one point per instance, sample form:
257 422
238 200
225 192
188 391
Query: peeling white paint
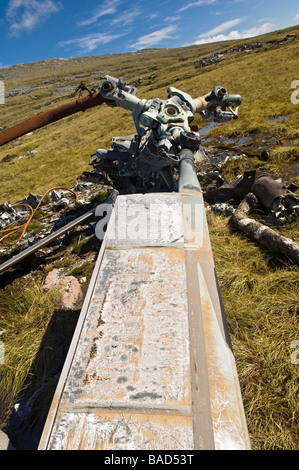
128 382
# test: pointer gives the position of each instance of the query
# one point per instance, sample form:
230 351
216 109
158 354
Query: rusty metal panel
151 364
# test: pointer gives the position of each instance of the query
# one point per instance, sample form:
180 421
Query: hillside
260 69
259 287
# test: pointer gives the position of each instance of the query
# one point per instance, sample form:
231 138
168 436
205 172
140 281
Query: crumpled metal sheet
151 364
273 195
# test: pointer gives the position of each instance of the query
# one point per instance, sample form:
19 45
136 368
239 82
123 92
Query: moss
81 269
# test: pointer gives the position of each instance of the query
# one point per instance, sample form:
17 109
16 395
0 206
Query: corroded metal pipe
48 117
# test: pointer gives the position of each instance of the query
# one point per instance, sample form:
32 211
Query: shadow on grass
29 415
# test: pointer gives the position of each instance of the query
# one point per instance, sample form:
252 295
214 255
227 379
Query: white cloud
152 16
108 8
127 18
255 31
152 39
199 3
90 42
26 15
170 19
247 33
222 27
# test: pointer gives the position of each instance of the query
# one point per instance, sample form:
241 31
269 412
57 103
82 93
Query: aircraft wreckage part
48 117
268 190
236 189
261 233
188 180
150 365
45 241
272 194
53 236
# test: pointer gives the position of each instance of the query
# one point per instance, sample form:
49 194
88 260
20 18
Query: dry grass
261 304
25 312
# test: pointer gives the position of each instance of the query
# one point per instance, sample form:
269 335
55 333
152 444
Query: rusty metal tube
48 117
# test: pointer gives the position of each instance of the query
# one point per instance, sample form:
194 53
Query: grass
261 304
63 148
259 288
25 312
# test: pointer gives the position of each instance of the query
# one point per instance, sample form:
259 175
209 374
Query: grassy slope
262 78
259 289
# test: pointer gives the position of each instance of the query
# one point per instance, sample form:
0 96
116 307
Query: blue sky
32 30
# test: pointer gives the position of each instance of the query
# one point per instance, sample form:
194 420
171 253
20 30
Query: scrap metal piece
273 195
151 364
261 233
53 236
44 242
236 189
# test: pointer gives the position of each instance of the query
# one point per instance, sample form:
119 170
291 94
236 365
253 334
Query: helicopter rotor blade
48 117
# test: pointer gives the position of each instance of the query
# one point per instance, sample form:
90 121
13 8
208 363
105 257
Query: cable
12 229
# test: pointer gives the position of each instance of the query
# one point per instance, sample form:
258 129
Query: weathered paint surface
150 365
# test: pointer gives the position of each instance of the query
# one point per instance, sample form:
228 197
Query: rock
32 199
70 288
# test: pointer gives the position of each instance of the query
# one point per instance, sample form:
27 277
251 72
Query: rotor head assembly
150 159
